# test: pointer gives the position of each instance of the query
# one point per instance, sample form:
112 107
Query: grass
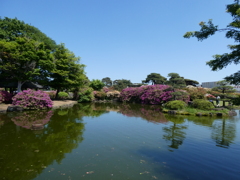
193 111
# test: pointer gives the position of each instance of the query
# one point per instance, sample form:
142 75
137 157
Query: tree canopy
176 81
224 87
27 54
96 84
155 78
120 84
107 81
232 32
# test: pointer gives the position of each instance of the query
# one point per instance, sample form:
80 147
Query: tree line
174 80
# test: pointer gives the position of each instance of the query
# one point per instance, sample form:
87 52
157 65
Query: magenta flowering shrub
31 99
152 94
5 97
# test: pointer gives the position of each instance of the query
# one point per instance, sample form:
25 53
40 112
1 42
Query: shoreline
56 105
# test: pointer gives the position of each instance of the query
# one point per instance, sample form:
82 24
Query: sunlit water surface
118 142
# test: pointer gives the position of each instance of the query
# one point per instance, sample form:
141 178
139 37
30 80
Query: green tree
155 78
120 84
10 29
232 32
191 82
176 81
224 87
107 81
96 84
67 72
24 59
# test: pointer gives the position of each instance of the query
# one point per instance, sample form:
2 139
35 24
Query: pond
118 142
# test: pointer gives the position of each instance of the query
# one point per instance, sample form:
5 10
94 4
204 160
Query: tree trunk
19 87
56 97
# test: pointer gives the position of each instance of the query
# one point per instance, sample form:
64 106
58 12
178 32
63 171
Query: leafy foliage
30 99
120 84
63 95
96 84
223 87
175 105
107 81
86 95
155 78
232 32
202 104
176 81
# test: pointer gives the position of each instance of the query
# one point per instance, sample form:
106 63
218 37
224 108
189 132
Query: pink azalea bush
5 97
151 94
31 99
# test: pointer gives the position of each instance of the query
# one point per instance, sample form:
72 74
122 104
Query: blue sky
129 39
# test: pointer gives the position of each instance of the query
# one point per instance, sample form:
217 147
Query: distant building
214 84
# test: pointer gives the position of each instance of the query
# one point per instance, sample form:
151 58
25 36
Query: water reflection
175 132
32 119
224 132
25 154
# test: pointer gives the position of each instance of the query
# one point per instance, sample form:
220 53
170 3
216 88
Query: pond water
118 142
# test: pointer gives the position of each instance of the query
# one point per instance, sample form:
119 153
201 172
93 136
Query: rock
37 126
219 114
172 112
14 108
232 113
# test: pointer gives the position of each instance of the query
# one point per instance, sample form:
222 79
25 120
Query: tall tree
120 84
155 78
233 32
191 82
67 72
224 87
107 81
23 59
176 81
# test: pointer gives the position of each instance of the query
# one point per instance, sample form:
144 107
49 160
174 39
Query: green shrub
175 105
86 95
202 104
63 95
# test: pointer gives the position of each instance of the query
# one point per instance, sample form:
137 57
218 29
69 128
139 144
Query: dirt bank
56 105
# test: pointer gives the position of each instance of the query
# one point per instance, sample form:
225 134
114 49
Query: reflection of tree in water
224 132
202 120
151 113
25 153
175 132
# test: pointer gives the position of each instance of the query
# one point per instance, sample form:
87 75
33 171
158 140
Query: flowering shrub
5 97
30 99
197 93
100 95
113 94
210 97
152 94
